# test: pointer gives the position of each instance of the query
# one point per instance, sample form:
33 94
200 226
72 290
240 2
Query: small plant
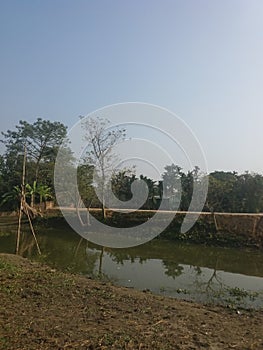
182 291
238 292
4 341
7 266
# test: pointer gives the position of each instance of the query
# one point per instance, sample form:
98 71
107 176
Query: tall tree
172 185
221 192
101 140
249 192
171 178
42 139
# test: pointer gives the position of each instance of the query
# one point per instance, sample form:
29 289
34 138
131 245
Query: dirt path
41 308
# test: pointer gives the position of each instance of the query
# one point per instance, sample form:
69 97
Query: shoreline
42 308
240 230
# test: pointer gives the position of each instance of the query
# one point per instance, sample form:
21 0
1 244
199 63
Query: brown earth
41 308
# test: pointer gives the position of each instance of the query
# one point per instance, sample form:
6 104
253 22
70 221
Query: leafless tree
101 138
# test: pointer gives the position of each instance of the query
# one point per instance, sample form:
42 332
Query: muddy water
226 276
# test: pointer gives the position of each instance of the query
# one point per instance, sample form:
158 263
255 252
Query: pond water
226 276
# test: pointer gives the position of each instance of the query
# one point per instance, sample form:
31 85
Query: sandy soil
41 308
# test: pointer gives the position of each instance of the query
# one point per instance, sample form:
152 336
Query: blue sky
203 60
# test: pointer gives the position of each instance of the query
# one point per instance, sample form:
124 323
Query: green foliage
228 191
11 199
40 192
42 140
85 185
121 184
8 266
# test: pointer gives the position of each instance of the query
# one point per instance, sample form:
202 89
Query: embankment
225 229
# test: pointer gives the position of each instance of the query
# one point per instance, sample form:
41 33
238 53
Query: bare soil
41 308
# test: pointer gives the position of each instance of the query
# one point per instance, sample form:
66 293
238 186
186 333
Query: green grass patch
8 267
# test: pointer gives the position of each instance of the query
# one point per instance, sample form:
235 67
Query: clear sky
202 59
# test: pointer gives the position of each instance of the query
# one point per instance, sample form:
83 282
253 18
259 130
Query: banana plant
44 193
11 198
32 191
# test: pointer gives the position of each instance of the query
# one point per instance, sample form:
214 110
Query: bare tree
101 138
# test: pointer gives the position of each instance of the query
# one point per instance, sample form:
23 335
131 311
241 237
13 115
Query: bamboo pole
23 206
255 223
19 227
21 201
215 221
32 230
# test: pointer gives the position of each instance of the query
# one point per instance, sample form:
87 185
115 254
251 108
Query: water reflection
191 282
192 272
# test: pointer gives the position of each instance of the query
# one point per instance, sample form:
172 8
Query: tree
171 178
85 188
172 184
222 192
2 171
153 193
187 189
249 192
101 140
192 179
121 182
42 139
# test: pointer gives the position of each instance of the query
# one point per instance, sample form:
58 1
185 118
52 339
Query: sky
200 59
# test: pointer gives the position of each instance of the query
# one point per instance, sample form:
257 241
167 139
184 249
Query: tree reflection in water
172 268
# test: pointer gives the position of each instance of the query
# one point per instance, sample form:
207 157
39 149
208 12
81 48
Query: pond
227 276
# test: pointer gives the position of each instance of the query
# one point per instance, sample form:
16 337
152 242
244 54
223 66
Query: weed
8 267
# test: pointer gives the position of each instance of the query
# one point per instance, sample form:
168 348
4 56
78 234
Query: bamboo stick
21 201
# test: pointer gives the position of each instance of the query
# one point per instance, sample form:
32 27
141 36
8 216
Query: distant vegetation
228 191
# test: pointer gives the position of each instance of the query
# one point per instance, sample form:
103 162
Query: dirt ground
41 308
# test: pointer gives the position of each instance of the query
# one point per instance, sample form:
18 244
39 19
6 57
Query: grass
8 267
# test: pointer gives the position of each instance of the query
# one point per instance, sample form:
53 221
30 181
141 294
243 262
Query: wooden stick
215 221
23 206
19 227
21 201
32 230
255 223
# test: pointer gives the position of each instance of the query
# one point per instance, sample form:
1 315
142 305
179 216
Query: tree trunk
103 210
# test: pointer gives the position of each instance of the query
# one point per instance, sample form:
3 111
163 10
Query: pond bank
42 308
219 229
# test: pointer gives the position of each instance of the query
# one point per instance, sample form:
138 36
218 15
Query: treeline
228 191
